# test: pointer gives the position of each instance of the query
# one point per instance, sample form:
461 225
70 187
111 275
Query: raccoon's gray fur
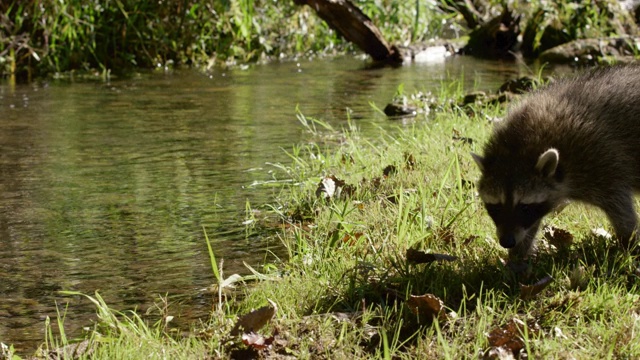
577 139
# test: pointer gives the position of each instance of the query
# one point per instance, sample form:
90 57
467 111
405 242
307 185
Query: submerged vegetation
390 255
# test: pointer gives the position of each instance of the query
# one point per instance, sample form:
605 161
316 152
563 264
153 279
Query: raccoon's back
592 120
603 103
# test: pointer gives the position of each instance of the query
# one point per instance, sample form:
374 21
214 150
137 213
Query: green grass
342 291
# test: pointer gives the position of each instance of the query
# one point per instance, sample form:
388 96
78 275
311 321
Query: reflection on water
107 186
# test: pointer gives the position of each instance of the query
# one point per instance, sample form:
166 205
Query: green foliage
551 23
38 37
44 36
403 22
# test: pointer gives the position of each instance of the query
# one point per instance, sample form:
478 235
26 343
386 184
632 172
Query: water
107 185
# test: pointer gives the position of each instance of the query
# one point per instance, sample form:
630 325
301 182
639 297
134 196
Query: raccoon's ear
479 161
548 162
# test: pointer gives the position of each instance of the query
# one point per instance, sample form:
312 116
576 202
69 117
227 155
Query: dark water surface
107 185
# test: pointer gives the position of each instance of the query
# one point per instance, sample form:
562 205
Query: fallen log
352 24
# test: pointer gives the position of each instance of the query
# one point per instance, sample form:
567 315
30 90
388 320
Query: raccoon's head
517 195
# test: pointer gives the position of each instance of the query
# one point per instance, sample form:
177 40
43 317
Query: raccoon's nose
508 241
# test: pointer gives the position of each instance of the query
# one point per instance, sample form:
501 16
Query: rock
587 51
518 86
400 110
474 97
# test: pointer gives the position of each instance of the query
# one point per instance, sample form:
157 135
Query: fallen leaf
530 291
389 170
255 319
557 237
463 139
410 161
446 234
326 188
351 239
347 158
257 341
427 305
347 191
331 186
469 239
509 336
82 349
420 257
392 198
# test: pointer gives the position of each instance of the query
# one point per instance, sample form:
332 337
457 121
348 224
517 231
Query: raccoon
576 139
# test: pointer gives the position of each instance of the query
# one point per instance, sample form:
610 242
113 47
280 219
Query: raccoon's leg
621 213
526 246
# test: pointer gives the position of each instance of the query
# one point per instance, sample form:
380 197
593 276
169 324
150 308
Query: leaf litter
507 341
429 306
255 319
420 257
528 292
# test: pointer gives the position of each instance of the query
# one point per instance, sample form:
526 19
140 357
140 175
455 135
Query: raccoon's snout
508 241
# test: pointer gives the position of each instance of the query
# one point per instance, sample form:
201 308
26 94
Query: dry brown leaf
509 336
557 237
389 170
255 319
347 191
257 341
465 140
409 161
530 291
376 182
469 239
347 158
446 234
351 239
427 305
420 257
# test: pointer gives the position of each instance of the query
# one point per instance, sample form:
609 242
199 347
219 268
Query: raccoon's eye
528 214
493 209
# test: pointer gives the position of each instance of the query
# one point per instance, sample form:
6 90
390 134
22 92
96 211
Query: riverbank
391 255
112 38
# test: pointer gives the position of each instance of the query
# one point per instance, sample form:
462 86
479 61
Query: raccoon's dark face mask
514 222
517 213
